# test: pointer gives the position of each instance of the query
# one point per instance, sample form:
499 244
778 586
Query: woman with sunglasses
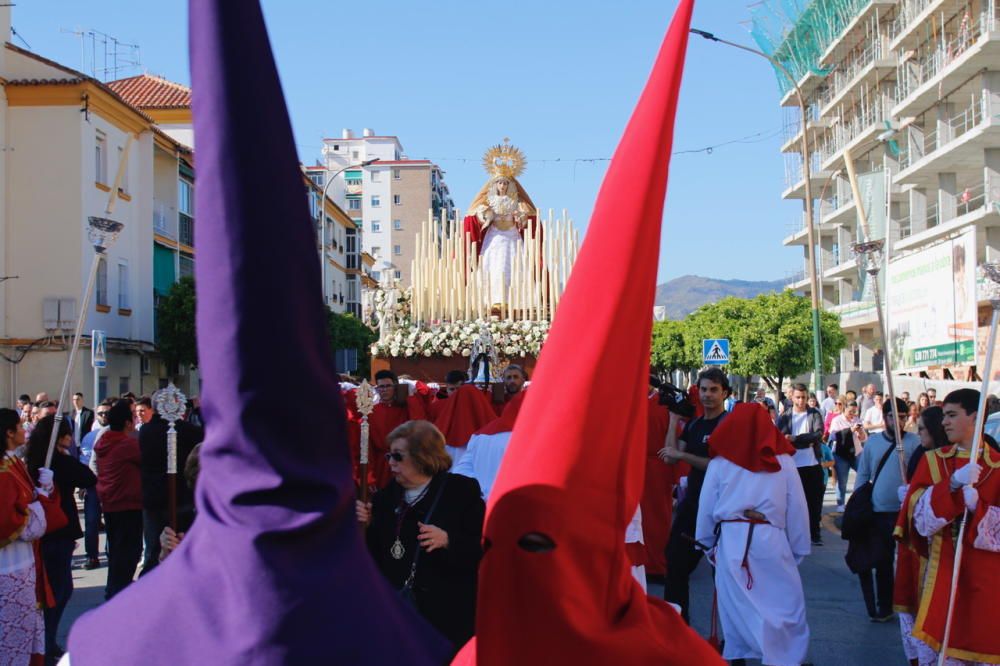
424 530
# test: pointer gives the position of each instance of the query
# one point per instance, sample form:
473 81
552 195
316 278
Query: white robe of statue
499 248
768 620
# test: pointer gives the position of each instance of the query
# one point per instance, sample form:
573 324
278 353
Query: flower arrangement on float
513 339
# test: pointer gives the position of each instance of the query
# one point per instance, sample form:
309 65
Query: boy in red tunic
945 490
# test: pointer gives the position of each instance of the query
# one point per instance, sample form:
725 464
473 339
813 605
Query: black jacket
68 474
153 446
812 438
445 582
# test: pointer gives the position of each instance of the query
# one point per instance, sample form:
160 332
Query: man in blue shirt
91 505
886 503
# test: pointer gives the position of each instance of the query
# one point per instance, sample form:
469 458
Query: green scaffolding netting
796 33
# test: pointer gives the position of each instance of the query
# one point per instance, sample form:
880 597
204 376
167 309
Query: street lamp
813 273
102 233
321 216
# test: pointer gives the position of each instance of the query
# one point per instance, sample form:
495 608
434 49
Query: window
397 250
185 196
186 265
397 174
101 158
399 275
397 225
354 155
101 291
336 146
377 276
123 385
354 204
376 250
123 286
123 185
102 389
397 200
376 176
376 226
376 202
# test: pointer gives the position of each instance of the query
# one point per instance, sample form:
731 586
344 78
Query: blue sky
560 78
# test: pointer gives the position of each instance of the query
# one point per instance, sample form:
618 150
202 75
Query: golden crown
504 160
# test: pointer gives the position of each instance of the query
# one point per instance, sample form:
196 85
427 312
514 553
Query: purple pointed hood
274 570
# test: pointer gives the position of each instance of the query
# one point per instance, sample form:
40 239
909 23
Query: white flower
466 352
446 352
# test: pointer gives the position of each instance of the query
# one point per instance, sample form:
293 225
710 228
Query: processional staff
364 400
170 404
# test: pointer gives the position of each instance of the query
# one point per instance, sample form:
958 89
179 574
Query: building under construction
908 91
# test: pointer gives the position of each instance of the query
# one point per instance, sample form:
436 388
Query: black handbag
843 444
407 593
859 514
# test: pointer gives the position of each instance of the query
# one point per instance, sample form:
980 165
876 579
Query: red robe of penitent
973 634
657 500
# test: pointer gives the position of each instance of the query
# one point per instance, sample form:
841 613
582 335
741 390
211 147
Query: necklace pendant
397 551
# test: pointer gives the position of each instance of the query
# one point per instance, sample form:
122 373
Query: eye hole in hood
536 542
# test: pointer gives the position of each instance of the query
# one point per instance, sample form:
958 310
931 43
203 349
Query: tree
776 338
348 332
669 351
175 324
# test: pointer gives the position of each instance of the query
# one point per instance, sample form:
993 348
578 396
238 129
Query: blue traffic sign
715 351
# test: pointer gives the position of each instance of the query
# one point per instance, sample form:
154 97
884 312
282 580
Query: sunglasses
394 455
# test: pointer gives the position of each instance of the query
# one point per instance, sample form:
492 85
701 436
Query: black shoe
817 541
92 563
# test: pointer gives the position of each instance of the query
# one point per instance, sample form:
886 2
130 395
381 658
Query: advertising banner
932 305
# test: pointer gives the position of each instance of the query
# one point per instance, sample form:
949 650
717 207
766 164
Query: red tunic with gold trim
973 636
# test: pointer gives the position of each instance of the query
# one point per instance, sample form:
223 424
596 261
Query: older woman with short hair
424 529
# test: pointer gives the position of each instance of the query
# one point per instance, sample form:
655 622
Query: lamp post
869 255
102 233
813 273
321 215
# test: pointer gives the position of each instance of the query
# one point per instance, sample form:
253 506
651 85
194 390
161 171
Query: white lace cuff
924 520
988 532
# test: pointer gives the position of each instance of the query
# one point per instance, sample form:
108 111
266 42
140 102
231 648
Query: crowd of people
113 459
433 453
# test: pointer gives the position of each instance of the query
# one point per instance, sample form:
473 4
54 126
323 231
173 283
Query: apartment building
345 273
388 194
73 148
909 91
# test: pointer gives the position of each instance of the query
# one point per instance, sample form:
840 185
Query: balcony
912 14
163 216
796 281
859 128
972 206
875 59
964 48
955 144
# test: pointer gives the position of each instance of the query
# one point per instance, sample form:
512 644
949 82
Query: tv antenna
104 56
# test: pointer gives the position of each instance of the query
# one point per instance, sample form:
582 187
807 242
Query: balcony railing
852 127
161 218
934 56
966 120
909 10
847 70
185 229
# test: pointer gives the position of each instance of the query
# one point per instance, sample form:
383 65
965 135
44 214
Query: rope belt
753 519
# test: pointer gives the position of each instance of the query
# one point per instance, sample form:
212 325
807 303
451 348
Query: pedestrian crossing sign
715 351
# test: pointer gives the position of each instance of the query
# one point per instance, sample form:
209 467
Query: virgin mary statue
498 217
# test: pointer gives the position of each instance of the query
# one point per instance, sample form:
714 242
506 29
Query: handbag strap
427 517
881 464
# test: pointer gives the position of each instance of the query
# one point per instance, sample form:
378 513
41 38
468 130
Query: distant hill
682 296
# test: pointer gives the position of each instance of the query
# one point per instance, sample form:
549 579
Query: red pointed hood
462 414
574 470
505 422
748 438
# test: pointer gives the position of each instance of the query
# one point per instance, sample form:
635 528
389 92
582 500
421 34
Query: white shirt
482 459
827 405
874 417
800 426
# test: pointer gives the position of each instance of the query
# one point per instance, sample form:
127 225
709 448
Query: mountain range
682 296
